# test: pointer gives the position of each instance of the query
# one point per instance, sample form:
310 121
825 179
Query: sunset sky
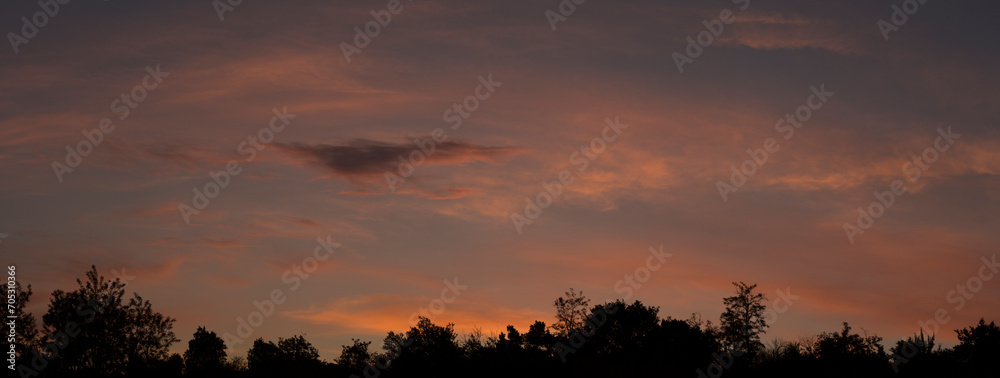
656 183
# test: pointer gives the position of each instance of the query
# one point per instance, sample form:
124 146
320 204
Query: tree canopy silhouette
206 354
93 331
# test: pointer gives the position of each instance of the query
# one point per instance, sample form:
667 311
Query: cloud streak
364 161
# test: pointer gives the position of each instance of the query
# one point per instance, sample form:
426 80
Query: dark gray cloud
363 157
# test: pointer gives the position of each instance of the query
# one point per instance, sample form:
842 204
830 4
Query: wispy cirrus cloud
777 30
206 242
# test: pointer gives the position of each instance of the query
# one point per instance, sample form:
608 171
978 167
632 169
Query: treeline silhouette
95 331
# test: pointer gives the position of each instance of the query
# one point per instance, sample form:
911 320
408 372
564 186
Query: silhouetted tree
474 343
496 356
294 355
918 344
686 346
513 337
913 352
113 335
979 346
264 358
624 329
539 337
357 356
236 365
571 312
614 337
743 321
300 357
171 367
842 345
298 350
115 338
780 356
425 348
851 353
206 354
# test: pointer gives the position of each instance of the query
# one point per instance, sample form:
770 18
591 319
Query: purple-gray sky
655 182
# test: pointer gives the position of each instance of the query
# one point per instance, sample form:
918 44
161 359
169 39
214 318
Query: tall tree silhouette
743 321
571 312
